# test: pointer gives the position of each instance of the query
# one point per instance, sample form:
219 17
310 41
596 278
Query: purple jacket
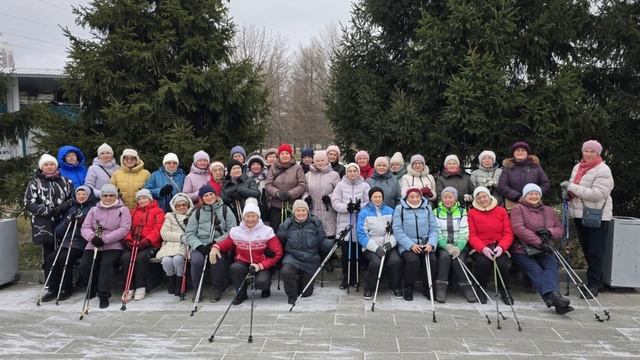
527 219
347 191
115 221
515 175
194 181
320 183
99 174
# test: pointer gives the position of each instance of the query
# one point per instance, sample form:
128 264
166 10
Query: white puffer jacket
173 228
594 189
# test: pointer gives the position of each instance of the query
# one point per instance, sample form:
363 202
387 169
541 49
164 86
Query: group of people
263 214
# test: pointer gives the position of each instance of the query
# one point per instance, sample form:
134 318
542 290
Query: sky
31 27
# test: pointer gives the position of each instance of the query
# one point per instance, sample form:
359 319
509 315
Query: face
238 157
533 197
218 173
362 161
414 198
108 199
284 157
171 166
452 166
307 160
589 154
209 198
181 207
382 167
395 167
352 173
448 200
250 219
105 156
81 196
271 159
143 201
202 164
487 161
71 158
129 161
483 199
417 166
520 154
377 198
49 167
256 168
301 214
333 156
320 163
236 171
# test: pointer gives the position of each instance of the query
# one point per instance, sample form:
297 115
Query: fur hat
46 158
105 148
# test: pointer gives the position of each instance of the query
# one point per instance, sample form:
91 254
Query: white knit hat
105 148
129 152
487 153
144 192
46 158
397 158
170 157
250 207
300 204
451 157
480 189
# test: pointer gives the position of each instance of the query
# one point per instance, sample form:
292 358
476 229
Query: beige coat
173 229
594 189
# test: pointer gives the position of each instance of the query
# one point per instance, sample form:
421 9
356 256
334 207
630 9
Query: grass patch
29 256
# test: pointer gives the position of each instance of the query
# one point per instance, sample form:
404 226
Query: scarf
584 167
366 171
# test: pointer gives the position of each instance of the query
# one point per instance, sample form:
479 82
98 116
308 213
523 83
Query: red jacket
250 245
490 227
146 223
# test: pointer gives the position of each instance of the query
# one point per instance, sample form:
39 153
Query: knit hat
451 157
216 164
381 159
319 155
144 192
105 148
238 150
449 189
181 197
201 155
46 158
130 152
376 189
413 190
170 157
480 189
205 189
531 187
231 163
84 188
489 153
350 165
108 189
362 153
307 153
417 157
333 148
256 158
270 151
250 207
285 147
397 158
593 145
300 204
520 145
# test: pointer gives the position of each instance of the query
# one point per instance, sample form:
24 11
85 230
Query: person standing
102 169
453 175
71 162
418 176
519 170
321 181
398 168
488 174
384 179
362 160
237 188
166 181
306 159
333 153
198 175
130 177
285 184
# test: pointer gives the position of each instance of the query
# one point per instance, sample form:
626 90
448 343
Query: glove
214 255
453 250
487 252
546 248
498 251
78 214
269 253
128 244
326 199
468 198
166 190
236 195
254 268
544 234
55 211
565 184
309 201
381 251
283 195
351 207
97 241
426 192
387 247
357 205
143 244
185 221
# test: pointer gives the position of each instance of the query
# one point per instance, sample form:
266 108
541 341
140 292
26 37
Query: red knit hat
285 147
413 189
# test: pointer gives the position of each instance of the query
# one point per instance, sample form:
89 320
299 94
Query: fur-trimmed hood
511 162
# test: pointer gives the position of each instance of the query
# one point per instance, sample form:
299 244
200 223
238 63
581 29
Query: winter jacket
460 181
349 191
400 173
146 223
159 179
100 173
261 181
199 225
289 178
515 175
46 199
414 226
115 221
320 183
371 226
241 187
173 229
488 178
489 226
366 171
250 244
76 212
419 180
194 181
389 184
339 168
76 173
303 242
129 181
594 189
526 219
456 231
217 186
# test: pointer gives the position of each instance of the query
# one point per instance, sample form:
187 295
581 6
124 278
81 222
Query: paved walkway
328 325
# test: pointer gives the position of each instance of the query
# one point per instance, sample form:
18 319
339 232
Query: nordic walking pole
55 259
85 305
341 238
204 268
428 266
66 261
495 280
375 293
468 271
213 335
504 286
473 288
567 227
349 256
252 280
132 266
183 285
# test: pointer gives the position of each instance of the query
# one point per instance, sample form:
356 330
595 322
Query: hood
153 204
511 162
256 157
491 206
403 170
63 151
92 200
181 196
195 170
493 167
119 203
259 232
425 172
108 165
139 166
384 176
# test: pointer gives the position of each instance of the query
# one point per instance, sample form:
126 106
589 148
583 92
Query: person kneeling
303 238
250 240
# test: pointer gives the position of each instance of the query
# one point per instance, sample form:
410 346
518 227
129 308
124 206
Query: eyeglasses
107 195
181 205
129 158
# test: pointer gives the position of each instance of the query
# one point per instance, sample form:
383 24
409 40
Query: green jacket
199 225
457 232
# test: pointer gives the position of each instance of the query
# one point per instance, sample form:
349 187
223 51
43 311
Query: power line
53 5
32 38
29 20
35 49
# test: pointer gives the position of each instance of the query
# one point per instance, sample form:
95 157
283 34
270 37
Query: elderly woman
321 181
519 170
418 176
535 225
285 184
257 172
250 240
71 161
270 157
130 178
590 186
374 223
416 229
303 239
306 159
383 178
362 160
216 170
490 236
104 228
488 174
398 168
167 181
103 167
198 175
333 153
47 197
453 175
237 188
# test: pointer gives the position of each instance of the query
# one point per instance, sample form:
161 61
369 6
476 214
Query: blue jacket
371 226
76 173
407 231
159 179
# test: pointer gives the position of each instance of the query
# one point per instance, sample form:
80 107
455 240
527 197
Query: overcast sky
31 26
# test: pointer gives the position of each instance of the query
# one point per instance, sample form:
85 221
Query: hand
487 252
269 253
489 183
214 255
143 244
547 248
97 241
357 205
453 250
544 234
166 190
387 247
309 201
564 184
254 268
426 192
128 244
467 197
78 214
326 199
417 249
283 195
236 195
55 211
351 207
427 248
380 251
498 251
343 234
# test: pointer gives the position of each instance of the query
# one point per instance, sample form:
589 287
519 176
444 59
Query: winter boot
561 310
481 295
586 295
408 293
171 289
265 293
242 296
50 295
441 291
104 299
216 295
344 284
177 290
64 295
468 294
